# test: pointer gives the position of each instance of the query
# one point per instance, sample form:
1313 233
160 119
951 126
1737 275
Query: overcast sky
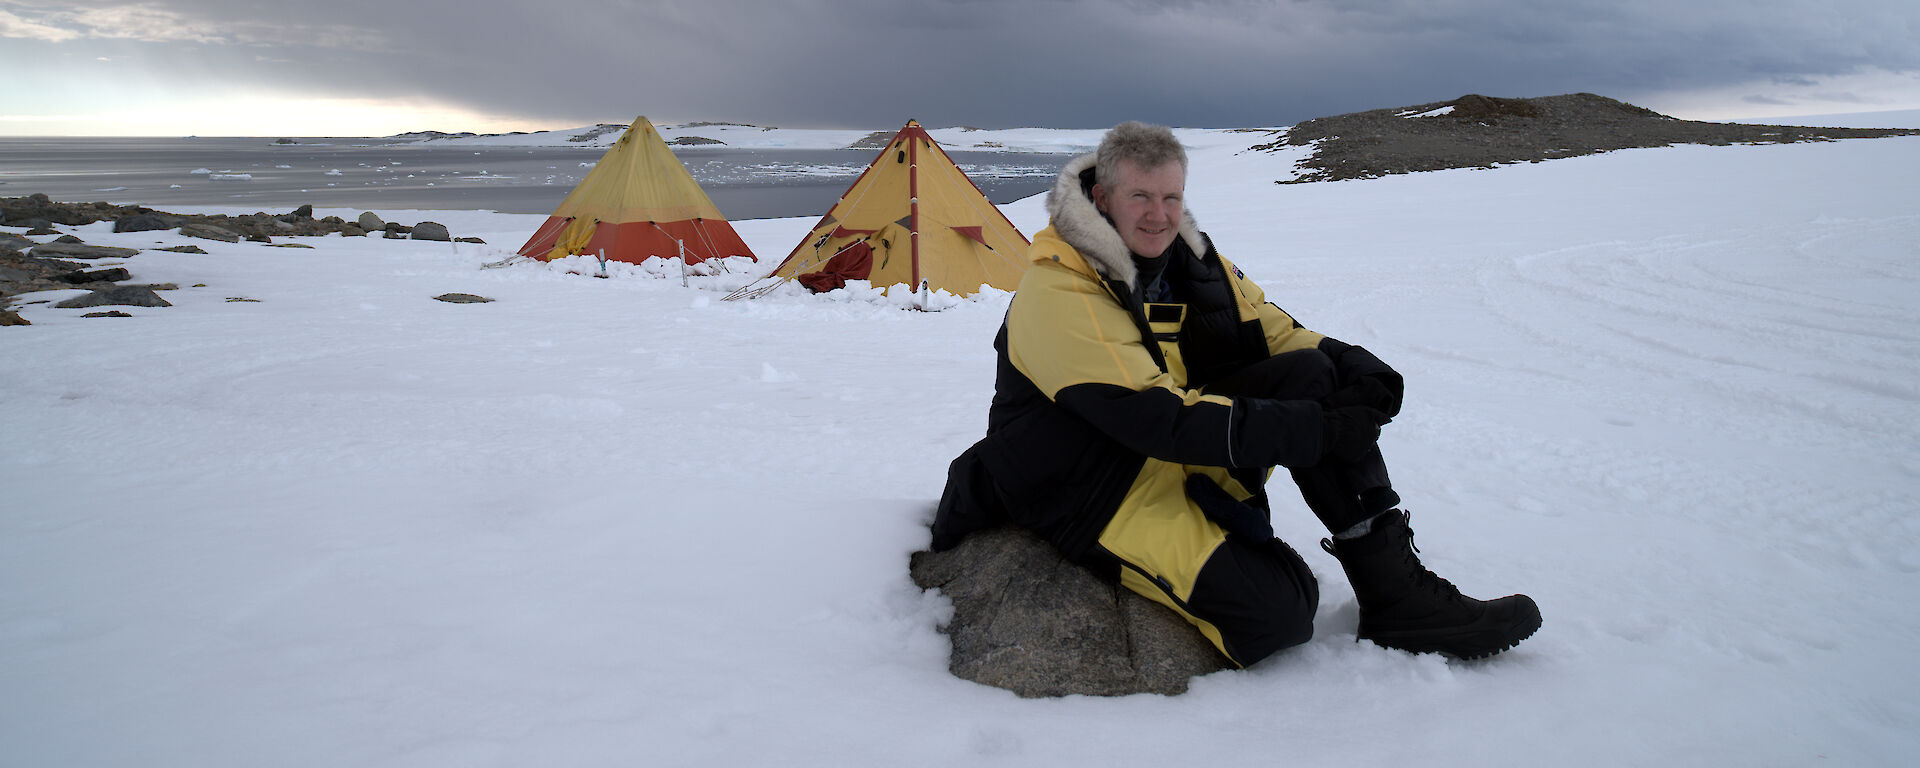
367 67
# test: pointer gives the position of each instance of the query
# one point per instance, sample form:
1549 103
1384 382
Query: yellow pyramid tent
637 202
912 218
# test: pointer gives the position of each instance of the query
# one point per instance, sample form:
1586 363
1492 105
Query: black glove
1349 433
1367 391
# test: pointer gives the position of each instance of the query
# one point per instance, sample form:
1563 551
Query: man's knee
1260 596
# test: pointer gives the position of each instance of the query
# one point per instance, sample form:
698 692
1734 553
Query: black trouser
1341 493
1253 589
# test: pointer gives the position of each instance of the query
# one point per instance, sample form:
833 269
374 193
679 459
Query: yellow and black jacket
1092 381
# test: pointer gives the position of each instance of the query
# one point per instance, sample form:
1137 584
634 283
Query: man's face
1145 205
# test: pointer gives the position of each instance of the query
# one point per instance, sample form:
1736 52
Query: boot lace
1425 579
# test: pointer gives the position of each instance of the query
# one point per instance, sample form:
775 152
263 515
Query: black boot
1403 605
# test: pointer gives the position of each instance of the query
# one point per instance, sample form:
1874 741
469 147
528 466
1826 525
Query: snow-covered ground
1670 393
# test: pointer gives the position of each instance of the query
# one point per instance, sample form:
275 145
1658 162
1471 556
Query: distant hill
431 135
586 135
1476 131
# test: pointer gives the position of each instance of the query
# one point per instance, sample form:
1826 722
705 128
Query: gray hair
1147 146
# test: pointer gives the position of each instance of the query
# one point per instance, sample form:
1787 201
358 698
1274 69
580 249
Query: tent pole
913 201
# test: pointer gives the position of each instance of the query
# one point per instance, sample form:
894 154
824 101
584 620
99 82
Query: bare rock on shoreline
27 265
31 269
207 231
1476 131
258 227
81 251
108 275
121 295
144 222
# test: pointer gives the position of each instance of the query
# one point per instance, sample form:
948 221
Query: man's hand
1349 433
1367 391
1235 516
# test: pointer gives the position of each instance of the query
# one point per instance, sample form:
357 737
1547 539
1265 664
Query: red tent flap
854 262
972 233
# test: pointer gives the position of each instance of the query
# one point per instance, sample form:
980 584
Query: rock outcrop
80 251
431 230
38 212
120 295
27 265
1477 131
1027 620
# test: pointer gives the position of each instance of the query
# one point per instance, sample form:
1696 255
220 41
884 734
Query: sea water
386 174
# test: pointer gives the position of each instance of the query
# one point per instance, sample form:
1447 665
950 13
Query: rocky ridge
1476 131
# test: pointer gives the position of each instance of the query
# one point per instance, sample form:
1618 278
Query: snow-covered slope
1669 393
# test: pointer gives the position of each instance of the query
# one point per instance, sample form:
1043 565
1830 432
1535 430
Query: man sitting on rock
1145 391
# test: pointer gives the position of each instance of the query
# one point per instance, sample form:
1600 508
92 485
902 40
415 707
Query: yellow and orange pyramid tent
637 202
912 218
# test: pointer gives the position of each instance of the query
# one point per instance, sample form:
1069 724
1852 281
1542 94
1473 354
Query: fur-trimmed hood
1079 222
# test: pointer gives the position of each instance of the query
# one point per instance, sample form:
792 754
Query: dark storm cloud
997 63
